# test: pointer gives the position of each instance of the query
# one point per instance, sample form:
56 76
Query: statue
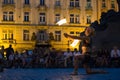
118 1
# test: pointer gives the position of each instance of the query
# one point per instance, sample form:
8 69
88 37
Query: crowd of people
52 58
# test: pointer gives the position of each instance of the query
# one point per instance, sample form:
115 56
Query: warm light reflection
61 22
74 43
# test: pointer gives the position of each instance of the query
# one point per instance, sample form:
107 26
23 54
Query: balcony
42 23
9 41
8 22
57 8
42 7
26 7
8 6
26 22
88 9
74 9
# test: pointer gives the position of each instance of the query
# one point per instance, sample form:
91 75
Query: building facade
23 23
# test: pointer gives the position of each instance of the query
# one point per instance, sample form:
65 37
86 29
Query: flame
61 22
74 43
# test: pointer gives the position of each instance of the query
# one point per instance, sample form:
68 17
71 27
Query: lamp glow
74 43
61 22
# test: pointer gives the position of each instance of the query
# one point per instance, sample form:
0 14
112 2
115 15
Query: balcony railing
26 5
74 7
9 41
9 22
42 7
57 6
42 23
8 4
88 7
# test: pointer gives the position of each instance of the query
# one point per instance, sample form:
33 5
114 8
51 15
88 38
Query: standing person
2 51
9 51
1 63
115 56
86 50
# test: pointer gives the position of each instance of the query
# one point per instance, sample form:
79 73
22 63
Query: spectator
60 59
2 51
51 58
76 52
9 51
11 60
1 62
115 56
67 56
115 52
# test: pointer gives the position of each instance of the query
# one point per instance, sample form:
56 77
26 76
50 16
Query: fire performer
86 50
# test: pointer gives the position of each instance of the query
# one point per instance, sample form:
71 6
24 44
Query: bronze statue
118 1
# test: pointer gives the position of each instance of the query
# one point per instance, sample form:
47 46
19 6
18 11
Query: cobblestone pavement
57 74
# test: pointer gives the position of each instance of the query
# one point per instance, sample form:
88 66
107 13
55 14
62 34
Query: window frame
26 16
57 36
26 35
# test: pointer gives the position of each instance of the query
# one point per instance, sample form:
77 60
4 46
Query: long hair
93 31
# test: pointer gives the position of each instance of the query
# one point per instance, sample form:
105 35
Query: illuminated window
57 3
74 3
42 2
42 18
57 17
77 19
8 16
42 35
11 1
7 34
57 35
26 35
71 18
103 3
74 33
71 3
5 1
5 16
26 16
74 18
89 19
26 2
112 3
88 5
8 2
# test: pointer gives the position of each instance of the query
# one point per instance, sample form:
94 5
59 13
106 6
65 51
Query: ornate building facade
24 23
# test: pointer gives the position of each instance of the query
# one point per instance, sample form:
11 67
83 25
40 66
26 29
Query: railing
8 4
9 41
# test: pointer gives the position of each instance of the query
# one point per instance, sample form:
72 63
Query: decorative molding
8 7
42 8
74 9
26 7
